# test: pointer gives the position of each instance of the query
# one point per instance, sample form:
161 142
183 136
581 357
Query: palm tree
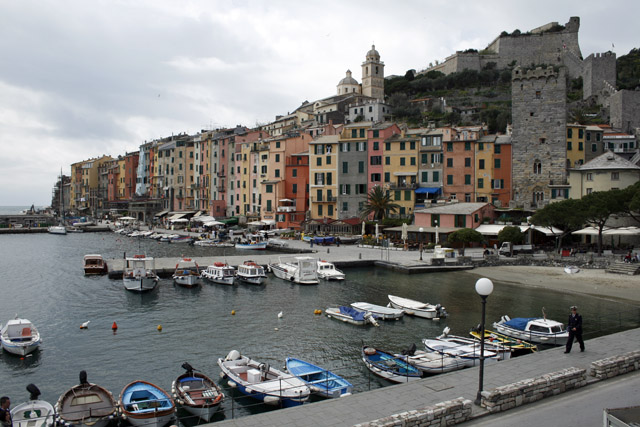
379 204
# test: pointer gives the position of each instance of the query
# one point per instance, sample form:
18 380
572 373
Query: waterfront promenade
372 405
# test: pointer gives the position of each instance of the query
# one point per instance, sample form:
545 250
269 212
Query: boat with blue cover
145 404
320 381
351 315
389 366
533 329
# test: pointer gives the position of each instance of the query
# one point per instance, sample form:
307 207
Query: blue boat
389 366
320 381
351 315
146 405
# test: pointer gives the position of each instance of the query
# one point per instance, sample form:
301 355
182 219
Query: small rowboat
320 381
389 366
86 405
145 404
381 312
35 412
351 315
517 346
417 308
197 393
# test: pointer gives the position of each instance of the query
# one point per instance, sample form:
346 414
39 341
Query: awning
161 214
176 216
212 223
203 218
179 220
622 231
494 229
268 221
548 231
405 173
428 190
255 223
285 200
232 220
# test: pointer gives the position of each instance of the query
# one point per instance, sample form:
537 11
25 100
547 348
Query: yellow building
244 163
484 150
606 172
85 185
121 178
575 145
323 174
400 162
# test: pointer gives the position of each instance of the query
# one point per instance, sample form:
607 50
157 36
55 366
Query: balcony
286 208
326 199
403 186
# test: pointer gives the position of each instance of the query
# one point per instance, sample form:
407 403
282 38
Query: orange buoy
159 328
114 326
233 312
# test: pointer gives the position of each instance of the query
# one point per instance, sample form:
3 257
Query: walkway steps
620 267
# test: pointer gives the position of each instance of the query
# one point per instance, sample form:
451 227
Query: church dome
348 80
373 53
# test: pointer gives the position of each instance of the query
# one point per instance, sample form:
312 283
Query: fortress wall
625 110
597 69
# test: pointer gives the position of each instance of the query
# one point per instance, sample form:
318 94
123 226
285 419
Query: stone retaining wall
533 389
445 413
615 365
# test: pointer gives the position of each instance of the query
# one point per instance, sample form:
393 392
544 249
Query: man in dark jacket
574 325
5 412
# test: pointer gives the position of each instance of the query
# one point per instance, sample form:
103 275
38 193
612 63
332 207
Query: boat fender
291 278
232 384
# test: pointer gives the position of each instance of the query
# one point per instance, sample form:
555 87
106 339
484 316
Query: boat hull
145 404
290 272
321 381
252 280
434 363
57 229
97 414
416 308
388 366
254 247
551 339
197 394
22 414
188 281
19 337
384 313
140 284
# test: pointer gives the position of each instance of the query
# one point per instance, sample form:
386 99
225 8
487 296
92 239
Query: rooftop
454 208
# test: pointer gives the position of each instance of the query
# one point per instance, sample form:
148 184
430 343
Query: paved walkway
383 402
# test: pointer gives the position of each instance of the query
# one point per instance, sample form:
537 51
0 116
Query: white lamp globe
484 287
421 229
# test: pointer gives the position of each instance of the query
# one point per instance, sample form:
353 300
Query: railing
407 185
286 208
324 199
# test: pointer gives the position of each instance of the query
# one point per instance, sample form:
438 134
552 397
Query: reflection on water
43 281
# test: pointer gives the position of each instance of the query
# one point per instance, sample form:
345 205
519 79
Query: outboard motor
187 367
410 351
83 378
233 355
34 391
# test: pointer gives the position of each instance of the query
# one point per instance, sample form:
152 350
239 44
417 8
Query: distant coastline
15 210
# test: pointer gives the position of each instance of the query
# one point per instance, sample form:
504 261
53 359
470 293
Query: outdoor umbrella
404 231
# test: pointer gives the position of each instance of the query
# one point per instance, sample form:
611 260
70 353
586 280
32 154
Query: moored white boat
19 336
86 405
300 269
146 405
571 269
187 273
351 315
263 382
197 393
389 366
219 272
502 352
34 412
381 312
430 362
57 229
533 329
250 272
321 381
470 354
94 264
417 308
328 271
255 246
139 274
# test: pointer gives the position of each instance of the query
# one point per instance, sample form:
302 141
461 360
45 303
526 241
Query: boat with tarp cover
351 315
533 329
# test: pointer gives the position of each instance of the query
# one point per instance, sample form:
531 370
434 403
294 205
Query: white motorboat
139 274
503 352
469 354
417 308
34 412
220 272
430 362
87 405
571 269
351 315
263 382
252 273
187 273
381 312
19 336
533 329
57 229
300 269
328 271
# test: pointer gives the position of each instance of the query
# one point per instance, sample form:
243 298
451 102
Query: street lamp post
484 287
420 230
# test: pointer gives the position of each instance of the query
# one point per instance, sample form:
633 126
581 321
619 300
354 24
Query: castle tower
539 136
373 75
348 85
598 70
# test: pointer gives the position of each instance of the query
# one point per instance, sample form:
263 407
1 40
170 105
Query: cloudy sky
83 78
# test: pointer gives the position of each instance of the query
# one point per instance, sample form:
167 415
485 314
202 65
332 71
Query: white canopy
607 231
127 218
548 231
255 223
179 220
212 223
494 229
203 218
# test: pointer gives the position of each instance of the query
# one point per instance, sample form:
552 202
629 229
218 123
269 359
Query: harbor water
43 281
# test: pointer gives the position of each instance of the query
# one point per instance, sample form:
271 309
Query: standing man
5 412
575 329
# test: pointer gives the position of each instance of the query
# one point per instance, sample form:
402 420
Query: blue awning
428 190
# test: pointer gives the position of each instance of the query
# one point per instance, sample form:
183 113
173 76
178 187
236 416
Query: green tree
464 236
511 234
601 205
566 215
379 204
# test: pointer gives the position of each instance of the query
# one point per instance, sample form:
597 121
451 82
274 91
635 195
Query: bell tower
373 75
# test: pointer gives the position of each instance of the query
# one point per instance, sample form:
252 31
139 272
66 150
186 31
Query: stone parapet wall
445 413
615 365
533 389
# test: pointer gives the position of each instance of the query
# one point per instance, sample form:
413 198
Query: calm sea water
43 281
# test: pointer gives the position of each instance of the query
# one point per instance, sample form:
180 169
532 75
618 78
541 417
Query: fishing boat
351 315
388 366
19 336
181 239
197 393
417 308
381 312
263 382
145 404
470 354
502 352
220 272
86 405
430 363
321 381
533 329
517 346
187 273
94 264
139 274
57 229
571 269
300 269
328 271
250 272
252 245
34 412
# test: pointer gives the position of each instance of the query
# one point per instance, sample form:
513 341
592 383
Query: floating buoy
275 329
233 312
316 311
114 326
159 328
85 325
280 315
